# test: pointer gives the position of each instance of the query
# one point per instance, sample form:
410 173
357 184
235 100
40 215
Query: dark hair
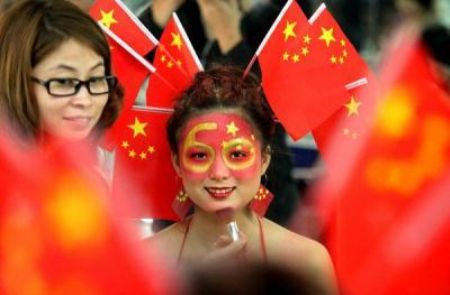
29 31
222 87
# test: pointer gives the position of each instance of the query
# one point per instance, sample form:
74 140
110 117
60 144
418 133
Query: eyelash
238 154
198 156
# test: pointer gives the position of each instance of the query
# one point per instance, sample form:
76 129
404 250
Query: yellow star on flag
306 39
327 36
176 41
295 58
143 156
125 144
132 154
333 59
305 51
163 58
151 149
169 64
286 55
108 18
289 31
138 127
343 42
232 128
353 106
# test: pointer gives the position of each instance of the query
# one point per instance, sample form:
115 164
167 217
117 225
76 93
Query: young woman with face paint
219 134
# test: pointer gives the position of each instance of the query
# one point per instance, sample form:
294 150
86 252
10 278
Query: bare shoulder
168 241
302 255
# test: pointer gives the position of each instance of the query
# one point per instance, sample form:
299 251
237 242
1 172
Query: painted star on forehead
327 36
289 31
176 41
108 18
353 106
138 127
232 128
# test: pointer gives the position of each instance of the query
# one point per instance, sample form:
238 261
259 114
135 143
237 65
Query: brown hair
222 87
29 31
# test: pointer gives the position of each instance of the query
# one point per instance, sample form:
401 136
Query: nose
82 98
219 171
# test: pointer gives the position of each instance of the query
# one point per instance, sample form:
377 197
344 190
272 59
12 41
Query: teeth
220 190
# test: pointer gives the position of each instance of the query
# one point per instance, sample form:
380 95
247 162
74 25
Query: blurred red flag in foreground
57 235
143 160
386 200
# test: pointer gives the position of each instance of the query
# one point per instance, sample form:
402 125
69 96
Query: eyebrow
72 69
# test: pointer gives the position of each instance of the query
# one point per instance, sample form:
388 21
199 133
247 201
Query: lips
78 122
220 193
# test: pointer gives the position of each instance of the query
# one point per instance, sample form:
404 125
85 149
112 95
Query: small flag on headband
114 15
306 67
175 61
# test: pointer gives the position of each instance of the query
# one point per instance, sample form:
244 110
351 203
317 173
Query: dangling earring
261 200
181 204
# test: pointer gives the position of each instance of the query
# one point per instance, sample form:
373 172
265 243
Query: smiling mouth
220 192
78 122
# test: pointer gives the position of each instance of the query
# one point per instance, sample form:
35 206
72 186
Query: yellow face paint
219 137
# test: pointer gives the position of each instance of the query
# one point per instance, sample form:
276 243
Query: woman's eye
65 82
198 156
238 155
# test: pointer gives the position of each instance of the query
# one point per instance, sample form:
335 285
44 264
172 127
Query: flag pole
266 38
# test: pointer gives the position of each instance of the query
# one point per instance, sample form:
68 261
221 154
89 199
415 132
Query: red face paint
219 143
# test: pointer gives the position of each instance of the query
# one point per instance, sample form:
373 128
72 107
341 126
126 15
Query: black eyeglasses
61 87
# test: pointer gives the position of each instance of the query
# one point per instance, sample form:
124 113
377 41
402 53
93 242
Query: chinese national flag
389 226
57 235
114 15
131 71
143 158
350 121
306 67
175 61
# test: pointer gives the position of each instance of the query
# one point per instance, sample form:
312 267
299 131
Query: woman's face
71 117
220 161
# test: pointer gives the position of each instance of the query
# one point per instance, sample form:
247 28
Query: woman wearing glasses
56 72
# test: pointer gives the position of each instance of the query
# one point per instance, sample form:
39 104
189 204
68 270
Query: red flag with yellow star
386 197
350 121
175 61
143 160
306 67
114 15
132 70
56 229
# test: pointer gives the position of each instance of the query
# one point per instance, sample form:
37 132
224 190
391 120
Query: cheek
250 172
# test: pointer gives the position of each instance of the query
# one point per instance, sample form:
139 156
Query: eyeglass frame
46 84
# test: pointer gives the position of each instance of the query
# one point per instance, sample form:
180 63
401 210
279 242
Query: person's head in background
56 71
248 278
219 135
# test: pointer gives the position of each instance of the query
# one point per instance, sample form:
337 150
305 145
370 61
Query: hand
225 248
222 20
162 10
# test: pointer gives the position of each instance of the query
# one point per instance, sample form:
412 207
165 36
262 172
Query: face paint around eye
238 153
197 157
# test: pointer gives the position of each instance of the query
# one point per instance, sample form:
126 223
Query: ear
265 157
176 164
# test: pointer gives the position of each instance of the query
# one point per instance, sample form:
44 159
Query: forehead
70 55
226 124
